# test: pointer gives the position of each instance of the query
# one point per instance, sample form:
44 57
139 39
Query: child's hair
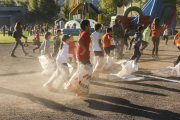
97 26
64 38
140 28
167 27
46 35
156 23
149 26
108 30
18 25
70 35
84 23
58 31
37 31
25 27
120 21
126 31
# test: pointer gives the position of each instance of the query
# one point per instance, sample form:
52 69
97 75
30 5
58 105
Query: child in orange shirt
72 46
178 45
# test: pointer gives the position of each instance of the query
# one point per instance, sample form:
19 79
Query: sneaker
27 45
13 55
156 57
141 52
175 63
125 51
26 54
152 57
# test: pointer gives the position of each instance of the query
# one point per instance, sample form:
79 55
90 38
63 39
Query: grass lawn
10 39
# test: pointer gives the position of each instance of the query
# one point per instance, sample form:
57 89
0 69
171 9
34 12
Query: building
10 15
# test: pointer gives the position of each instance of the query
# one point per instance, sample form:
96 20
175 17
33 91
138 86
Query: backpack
14 34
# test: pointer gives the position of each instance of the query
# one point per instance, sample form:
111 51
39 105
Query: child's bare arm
175 39
101 46
48 51
82 46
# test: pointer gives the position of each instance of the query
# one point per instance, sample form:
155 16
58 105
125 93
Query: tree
65 9
178 12
7 3
109 8
21 3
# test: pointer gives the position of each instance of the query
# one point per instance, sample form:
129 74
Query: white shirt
63 54
166 32
95 36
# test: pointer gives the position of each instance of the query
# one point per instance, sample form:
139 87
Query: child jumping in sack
137 39
72 46
56 43
83 44
38 41
62 66
178 46
165 34
107 42
145 38
96 38
126 37
46 45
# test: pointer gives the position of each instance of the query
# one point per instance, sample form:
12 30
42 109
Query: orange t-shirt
178 42
71 47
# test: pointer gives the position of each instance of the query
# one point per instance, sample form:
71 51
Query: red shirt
86 42
37 36
156 33
71 47
106 40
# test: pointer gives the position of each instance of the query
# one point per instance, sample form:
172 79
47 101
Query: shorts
108 49
85 62
98 53
126 43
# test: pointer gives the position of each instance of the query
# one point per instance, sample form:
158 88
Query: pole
77 4
131 11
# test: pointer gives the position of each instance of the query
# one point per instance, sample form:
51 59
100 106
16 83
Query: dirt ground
22 96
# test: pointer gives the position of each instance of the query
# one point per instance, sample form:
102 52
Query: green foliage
178 13
5 3
65 10
109 8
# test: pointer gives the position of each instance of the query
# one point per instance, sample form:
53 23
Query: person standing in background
119 32
156 29
25 33
19 34
4 30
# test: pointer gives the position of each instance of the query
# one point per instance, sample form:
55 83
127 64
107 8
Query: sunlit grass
10 39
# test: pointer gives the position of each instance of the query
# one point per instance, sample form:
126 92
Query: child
45 47
126 36
107 42
165 34
137 39
96 38
25 33
178 45
19 34
83 44
72 46
56 43
61 62
156 29
145 38
38 41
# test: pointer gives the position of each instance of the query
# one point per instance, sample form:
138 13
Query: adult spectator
119 32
